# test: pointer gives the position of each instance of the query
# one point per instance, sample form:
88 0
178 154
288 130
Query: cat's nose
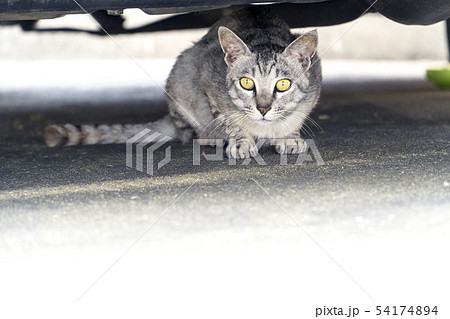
263 109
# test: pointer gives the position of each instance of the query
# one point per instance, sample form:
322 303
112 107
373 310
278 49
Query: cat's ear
303 48
232 45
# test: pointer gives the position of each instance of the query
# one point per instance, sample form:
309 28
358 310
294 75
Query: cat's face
269 87
266 88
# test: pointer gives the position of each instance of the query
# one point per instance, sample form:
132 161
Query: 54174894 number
406 310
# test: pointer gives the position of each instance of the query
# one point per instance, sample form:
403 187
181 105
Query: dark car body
202 13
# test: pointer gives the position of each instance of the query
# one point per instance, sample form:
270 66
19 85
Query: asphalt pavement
83 235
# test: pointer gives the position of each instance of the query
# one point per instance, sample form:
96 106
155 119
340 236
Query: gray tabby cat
248 78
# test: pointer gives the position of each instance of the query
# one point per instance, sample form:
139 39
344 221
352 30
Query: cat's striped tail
69 134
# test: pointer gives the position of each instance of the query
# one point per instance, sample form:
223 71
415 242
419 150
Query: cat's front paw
242 148
294 145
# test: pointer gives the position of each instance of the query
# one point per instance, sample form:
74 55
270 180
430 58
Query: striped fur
69 134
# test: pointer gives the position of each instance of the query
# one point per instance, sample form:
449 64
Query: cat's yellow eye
247 83
283 85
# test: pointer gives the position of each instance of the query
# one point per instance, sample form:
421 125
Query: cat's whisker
314 123
223 126
216 124
214 121
307 130
304 117
234 117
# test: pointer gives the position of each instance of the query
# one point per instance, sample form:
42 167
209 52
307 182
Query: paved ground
370 227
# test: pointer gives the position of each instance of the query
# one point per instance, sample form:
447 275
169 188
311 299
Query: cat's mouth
263 120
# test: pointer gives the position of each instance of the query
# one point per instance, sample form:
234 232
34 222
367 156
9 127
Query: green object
440 76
